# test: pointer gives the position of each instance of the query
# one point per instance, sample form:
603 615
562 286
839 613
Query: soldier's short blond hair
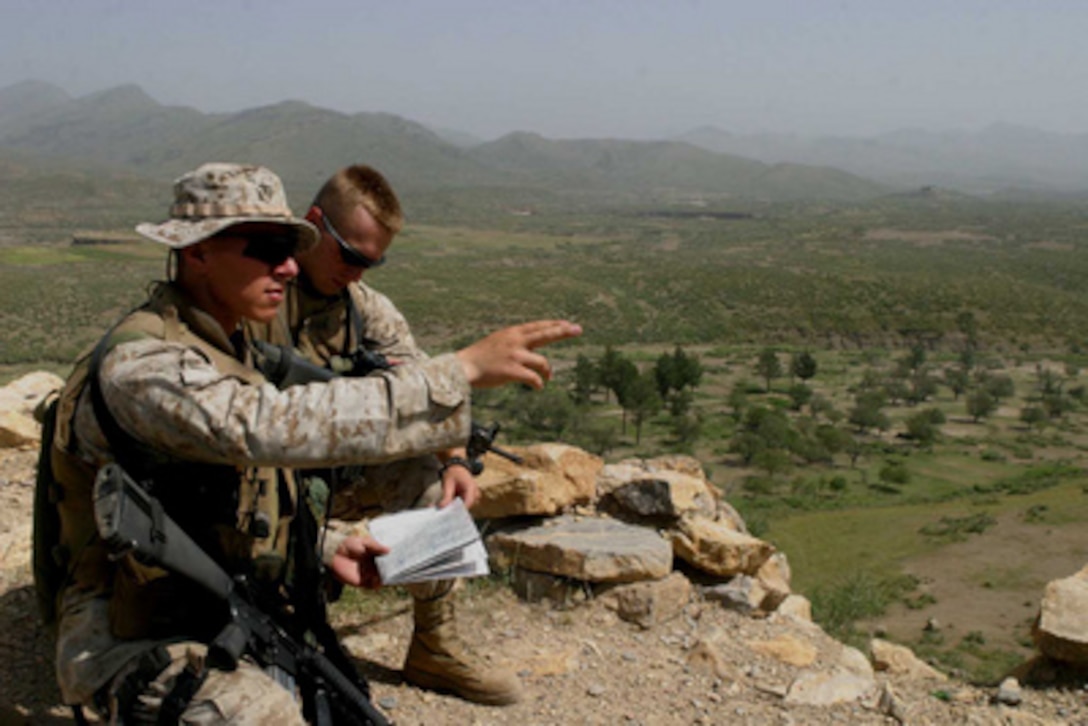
360 185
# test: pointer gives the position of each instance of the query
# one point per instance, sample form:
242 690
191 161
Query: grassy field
883 533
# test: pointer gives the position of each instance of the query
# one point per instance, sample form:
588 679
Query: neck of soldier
204 297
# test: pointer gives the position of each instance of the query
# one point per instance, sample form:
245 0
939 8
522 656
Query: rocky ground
581 665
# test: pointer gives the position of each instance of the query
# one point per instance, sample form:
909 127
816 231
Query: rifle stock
131 520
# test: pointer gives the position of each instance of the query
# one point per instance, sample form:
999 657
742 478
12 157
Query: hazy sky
580 68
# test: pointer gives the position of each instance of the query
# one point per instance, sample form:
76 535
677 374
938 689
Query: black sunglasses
349 254
272 248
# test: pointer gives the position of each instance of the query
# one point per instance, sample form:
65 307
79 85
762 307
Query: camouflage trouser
241 697
366 492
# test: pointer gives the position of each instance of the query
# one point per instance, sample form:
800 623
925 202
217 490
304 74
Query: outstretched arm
509 355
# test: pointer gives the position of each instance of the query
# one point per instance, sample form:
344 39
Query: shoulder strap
354 338
134 456
49 573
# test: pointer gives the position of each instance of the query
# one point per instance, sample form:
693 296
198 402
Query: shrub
894 472
838 606
957 528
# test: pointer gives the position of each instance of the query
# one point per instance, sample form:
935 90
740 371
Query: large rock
826 688
742 593
849 680
787 649
23 394
681 463
652 495
18 401
774 577
552 479
1061 630
589 549
714 546
18 430
901 661
665 486
794 607
648 603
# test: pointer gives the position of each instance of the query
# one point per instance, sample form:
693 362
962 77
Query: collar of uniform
309 301
166 295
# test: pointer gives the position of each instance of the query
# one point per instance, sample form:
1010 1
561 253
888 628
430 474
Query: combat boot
439 660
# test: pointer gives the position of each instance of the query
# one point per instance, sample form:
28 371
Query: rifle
132 521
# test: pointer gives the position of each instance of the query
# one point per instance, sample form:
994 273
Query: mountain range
123 131
997 158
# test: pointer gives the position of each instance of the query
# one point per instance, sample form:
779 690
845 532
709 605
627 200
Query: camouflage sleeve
385 325
172 398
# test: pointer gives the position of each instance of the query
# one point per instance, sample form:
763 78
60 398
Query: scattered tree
768 366
799 394
614 371
640 397
867 413
924 427
1000 387
803 365
586 379
957 379
980 404
1034 416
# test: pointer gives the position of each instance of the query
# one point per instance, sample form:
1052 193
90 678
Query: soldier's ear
194 255
313 215
195 251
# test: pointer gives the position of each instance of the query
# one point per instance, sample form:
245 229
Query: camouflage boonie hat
217 196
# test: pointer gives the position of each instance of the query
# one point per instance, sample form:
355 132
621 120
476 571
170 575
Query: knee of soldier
246 695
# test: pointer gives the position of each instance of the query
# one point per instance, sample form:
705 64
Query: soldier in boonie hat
218 195
172 393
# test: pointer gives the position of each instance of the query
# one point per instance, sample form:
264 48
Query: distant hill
125 128
663 167
28 99
996 158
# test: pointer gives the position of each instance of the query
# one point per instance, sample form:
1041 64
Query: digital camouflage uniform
175 382
322 328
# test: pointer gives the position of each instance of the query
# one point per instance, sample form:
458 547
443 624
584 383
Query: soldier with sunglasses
171 394
331 316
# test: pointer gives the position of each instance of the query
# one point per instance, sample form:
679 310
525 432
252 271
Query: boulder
23 394
1061 629
552 479
19 402
663 494
714 547
795 607
774 577
826 688
18 430
901 661
742 593
583 548
648 603
787 649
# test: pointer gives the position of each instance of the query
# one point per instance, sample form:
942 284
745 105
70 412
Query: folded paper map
429 544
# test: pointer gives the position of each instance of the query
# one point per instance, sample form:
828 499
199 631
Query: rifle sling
126 449
306 594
